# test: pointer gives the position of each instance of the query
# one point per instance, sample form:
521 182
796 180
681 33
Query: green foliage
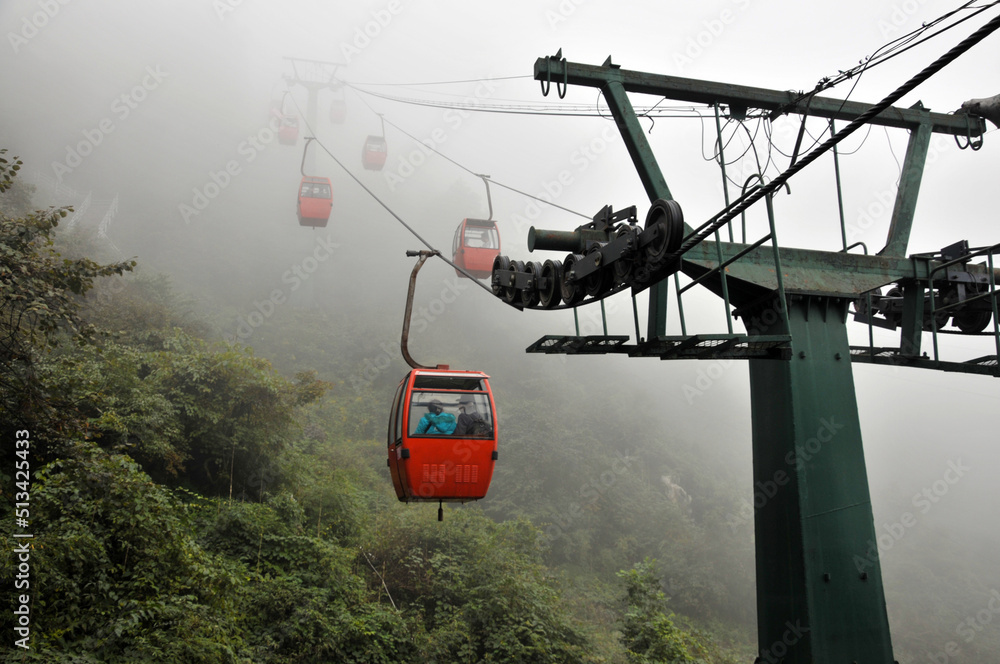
219 415
601 502
195 505
140 311
116 573
648 630
16 198
301 599
478 588
38 312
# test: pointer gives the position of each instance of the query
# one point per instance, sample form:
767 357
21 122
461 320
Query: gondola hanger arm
489 199
404 337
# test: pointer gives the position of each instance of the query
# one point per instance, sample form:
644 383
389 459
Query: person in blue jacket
436 420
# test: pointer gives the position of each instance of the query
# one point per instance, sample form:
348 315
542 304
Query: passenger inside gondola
471 423
436 421
480 238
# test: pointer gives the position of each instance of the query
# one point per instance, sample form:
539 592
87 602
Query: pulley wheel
571 291
510 292
623 267
941 318
668 219
529 296
972 321
550 295
599 282
500 263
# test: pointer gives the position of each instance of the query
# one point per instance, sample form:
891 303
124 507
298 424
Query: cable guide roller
607 254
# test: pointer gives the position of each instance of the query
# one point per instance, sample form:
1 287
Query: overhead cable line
492 181
468 80
745 201
892 49
478 175
387 208
558 110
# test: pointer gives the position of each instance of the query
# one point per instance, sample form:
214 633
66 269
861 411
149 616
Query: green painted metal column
819 584
652 181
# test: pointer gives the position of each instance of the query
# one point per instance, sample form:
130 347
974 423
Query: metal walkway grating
696 347
985 366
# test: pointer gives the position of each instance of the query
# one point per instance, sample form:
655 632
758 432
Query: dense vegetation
190 503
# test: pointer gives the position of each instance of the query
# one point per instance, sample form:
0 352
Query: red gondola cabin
338 110
442 436
374 153
315 201
476 244
288 129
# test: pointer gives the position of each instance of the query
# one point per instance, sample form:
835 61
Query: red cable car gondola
288 130
287 123
315 201
315 196
338 105
374 153
338 111
442 436
436 454
476 245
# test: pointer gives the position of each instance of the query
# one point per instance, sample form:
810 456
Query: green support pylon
819 583
820 598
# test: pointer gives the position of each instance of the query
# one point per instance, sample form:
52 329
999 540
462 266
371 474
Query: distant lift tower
314 76
795 304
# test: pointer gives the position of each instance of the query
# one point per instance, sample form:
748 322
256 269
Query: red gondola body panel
288 129
374 153
315 201
476 244
338 110
449 467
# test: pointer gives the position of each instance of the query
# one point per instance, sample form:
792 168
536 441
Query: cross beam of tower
314 76
810 534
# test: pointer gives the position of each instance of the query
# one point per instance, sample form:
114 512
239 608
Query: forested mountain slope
202 495
190 501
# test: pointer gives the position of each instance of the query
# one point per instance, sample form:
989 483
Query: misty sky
167 94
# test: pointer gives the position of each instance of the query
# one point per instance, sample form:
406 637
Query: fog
169 101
